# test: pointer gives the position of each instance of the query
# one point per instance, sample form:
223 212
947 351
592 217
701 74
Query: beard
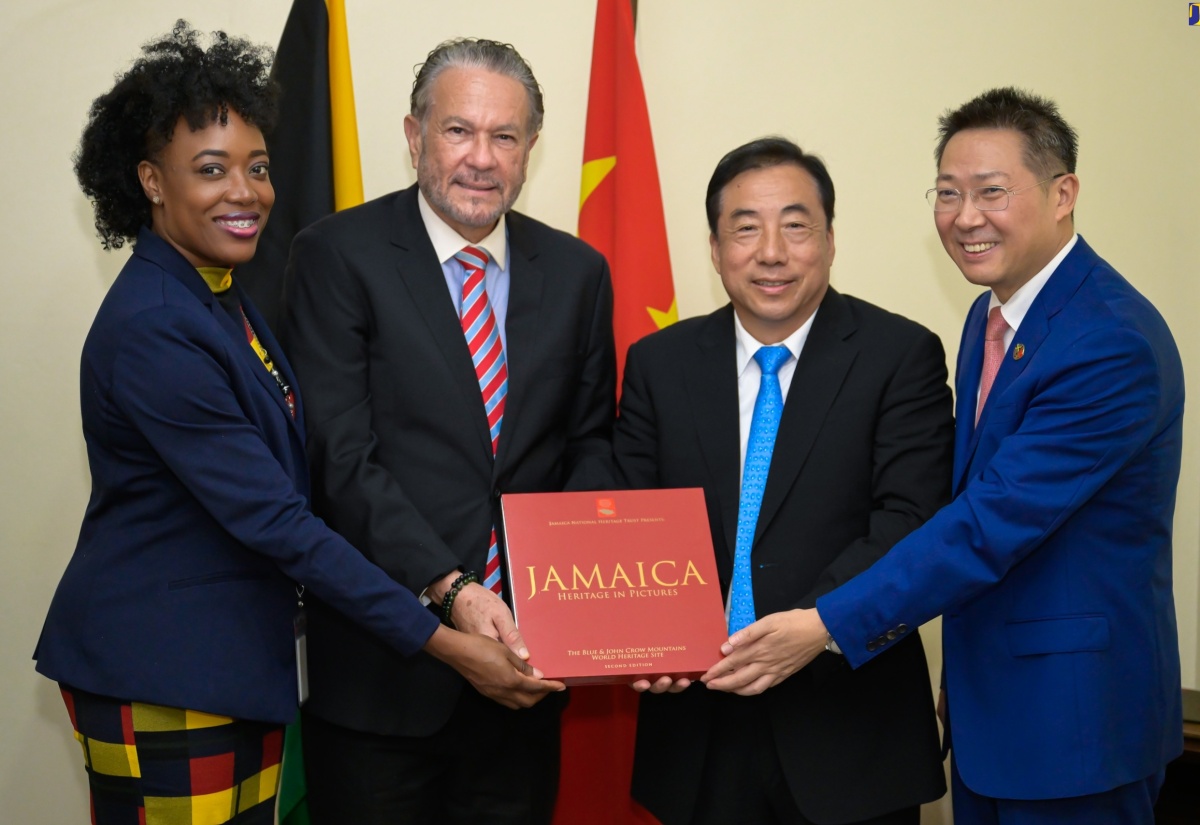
477 212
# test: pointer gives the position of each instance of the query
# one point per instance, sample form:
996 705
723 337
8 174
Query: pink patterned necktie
993 355
487 353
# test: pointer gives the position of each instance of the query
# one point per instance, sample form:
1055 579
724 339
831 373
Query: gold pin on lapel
1018 352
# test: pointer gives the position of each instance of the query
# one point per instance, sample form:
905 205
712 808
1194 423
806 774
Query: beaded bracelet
448 600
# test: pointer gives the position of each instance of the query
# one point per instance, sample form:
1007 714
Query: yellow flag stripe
594 171
347 166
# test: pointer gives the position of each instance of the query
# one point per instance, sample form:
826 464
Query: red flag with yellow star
620 214
620 204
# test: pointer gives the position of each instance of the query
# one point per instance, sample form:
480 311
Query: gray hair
476 53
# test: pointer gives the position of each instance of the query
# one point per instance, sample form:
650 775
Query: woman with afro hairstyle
176 633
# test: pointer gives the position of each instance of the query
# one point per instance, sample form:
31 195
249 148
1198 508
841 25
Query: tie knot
996 326
472 257
770 359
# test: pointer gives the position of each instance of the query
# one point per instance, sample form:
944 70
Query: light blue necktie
768 407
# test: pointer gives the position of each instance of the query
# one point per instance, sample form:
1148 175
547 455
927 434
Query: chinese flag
620 214
620 206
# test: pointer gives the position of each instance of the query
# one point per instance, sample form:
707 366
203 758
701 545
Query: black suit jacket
398 439
862 457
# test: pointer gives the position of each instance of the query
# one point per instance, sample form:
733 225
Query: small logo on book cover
606 508
1194 14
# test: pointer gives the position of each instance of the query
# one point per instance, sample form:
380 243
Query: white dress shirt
750 375
447 243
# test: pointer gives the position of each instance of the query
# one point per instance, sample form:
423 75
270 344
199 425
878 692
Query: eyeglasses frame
975 198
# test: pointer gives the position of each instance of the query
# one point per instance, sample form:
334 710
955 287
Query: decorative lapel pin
1018 352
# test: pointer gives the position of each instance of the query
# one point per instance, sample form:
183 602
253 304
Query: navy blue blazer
1052 566
182 588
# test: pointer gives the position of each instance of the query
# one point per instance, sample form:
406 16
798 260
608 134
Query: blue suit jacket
1052 565
182 588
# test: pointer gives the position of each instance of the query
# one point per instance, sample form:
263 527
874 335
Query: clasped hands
757 657
489 651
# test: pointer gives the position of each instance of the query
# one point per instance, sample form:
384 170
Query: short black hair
763 154
1051 145
175 77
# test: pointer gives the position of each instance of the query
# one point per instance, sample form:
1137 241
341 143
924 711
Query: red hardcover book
614 586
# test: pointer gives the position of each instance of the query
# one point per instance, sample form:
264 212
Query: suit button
902 629
496 494
871 646
891 635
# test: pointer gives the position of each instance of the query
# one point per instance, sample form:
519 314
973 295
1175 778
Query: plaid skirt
152 765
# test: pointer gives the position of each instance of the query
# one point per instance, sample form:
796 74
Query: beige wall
859 83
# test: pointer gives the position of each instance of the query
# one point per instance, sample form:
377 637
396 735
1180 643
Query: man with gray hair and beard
451 351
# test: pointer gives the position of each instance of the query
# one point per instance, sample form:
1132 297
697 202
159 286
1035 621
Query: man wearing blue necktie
819 427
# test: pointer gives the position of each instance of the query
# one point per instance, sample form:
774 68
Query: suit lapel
1027 340
267 339
521 327
711 383
966 380
820 373
421 273
162 254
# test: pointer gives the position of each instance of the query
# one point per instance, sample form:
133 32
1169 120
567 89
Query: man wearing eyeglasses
1052 565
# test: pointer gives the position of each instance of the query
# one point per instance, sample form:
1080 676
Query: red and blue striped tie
487 352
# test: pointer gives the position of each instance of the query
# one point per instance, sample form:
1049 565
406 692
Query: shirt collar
447 242
1018 304
747 344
